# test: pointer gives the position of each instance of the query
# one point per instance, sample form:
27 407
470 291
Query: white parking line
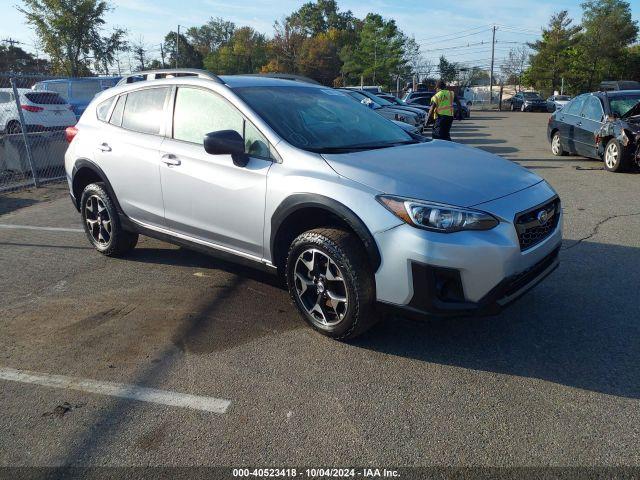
8 226
131 392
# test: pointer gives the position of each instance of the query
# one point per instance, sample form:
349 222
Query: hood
438 171
633 111
399 111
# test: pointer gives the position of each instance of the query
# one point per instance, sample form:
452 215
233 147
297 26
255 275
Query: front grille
536 224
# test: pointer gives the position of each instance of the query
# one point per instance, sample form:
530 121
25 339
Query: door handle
104 147
170 159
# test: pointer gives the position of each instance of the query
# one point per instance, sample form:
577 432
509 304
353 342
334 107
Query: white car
557 102
42 111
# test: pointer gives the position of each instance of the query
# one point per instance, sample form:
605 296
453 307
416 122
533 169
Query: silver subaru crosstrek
357 214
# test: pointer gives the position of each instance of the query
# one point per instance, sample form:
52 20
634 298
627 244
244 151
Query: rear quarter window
102 110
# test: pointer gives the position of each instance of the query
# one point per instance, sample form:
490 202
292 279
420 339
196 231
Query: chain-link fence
34 113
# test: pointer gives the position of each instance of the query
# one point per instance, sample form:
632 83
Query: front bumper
540 107
470 272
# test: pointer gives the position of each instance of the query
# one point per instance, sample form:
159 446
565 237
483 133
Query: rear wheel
556 145
616 158
14 128
331 282
101 222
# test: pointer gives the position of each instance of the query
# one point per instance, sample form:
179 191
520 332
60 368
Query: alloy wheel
98 220
611 155
555 144
320 287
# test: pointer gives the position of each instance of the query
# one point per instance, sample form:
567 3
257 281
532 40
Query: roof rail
285 76
168 73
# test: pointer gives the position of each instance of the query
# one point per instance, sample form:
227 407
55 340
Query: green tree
188 56
246 52
378 53
285 48
319 56
15 59
608 30
321 16
552 54
71 33
211 36
448 70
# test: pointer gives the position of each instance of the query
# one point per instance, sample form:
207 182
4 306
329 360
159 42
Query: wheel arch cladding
302 212
86 172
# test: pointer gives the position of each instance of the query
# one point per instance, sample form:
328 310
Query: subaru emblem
542 217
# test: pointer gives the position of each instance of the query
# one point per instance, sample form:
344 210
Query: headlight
437 217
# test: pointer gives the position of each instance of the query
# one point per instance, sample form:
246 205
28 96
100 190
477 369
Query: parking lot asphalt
553 380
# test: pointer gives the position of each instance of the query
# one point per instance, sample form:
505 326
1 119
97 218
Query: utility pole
11 41
119 70
562 86
162 54
493 51
177 45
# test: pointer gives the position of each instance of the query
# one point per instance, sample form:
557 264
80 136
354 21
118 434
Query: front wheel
616 158
331 282
101 222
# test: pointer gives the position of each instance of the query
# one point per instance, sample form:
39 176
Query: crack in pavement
596 229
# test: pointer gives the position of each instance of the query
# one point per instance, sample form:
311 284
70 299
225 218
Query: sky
460 30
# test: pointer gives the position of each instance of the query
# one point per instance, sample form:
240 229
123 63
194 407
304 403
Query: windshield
621 104
531 95
379 100
322 120
563 98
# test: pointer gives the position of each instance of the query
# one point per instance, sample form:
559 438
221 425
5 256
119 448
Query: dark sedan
601 125
423 98
528 102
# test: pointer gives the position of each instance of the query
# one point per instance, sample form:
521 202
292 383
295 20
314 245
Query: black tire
349 264
513 107
560 151
14 128
623 160
115 242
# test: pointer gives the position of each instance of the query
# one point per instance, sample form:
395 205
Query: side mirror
226 142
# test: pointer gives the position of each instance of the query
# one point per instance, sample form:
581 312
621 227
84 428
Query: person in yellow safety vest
442 110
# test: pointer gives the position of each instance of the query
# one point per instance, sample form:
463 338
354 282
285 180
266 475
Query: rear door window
144 110
574 107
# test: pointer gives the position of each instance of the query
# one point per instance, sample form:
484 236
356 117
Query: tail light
31 108
70 133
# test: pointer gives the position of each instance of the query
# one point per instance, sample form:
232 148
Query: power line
453 34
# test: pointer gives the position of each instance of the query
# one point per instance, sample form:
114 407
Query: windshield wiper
362 147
